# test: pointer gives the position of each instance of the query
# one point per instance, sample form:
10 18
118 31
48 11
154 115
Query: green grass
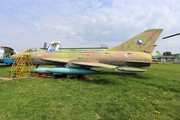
167 61
110 95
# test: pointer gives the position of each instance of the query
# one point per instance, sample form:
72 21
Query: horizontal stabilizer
139 63
130 69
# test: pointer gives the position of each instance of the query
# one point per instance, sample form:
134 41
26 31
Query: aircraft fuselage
118 58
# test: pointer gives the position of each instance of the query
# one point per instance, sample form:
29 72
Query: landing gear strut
37 66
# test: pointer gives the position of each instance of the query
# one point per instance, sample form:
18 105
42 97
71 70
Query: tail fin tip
150 30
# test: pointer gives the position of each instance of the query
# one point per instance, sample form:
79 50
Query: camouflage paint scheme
126 56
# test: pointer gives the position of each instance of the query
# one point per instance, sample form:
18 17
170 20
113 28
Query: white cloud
106 32
38 26
87 23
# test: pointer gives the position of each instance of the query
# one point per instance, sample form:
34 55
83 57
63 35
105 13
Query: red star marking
87 54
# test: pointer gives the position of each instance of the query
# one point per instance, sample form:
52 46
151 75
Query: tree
167 53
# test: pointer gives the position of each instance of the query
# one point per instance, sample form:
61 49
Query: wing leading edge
95 63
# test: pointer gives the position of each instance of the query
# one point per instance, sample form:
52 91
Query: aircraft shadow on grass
109 81
99 81
134 75
164 87
4 66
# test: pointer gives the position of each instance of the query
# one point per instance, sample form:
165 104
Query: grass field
152 95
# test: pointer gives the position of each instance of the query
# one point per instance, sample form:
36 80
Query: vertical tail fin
144 42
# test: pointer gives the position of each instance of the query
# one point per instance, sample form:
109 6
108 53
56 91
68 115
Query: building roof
176 54
85 48
163 56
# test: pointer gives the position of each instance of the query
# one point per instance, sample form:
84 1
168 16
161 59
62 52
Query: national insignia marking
139 42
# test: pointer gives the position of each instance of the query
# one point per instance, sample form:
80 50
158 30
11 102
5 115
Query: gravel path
6 78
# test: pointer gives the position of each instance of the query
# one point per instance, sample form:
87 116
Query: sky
87 23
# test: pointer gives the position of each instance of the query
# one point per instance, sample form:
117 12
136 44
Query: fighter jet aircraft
127 57
5 54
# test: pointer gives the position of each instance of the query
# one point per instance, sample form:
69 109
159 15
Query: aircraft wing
56 60
124 69
8 50
95 63
89 63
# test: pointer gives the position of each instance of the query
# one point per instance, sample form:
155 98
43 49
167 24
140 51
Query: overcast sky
87 23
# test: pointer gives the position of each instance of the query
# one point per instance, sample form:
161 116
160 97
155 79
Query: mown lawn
154 94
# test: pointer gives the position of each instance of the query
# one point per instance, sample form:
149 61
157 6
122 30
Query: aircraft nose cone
13 58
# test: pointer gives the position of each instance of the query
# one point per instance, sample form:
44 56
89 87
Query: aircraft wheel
31 75
52 76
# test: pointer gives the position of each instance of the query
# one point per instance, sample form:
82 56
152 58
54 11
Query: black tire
52 76
31 75
11 65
